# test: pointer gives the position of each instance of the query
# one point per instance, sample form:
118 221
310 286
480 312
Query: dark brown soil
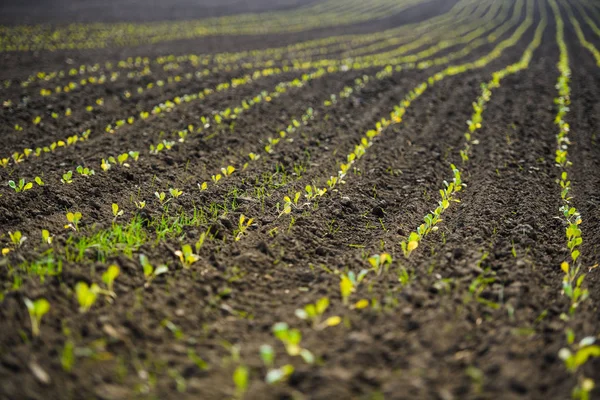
425 339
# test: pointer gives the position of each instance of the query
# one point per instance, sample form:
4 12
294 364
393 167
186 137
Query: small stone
39 373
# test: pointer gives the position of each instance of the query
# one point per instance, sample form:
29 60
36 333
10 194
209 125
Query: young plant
291 339
379 262
116 212
313 313
349 282
161 197
175 193
67 177
228 170
243 226
73 220
288 203
575 357
17 238
241 377
46 237
109 276
37 309
84 171
21 186
149 271
274 375
448 195
86 295
572 285
187 256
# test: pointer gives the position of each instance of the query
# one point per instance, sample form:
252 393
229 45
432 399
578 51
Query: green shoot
109 277
186 256
116 212
46 237
243 226
149 271
21 186
86 295
67 177
17 238
379 262
73 220
241 376
37 309
175 193
291 339
314 312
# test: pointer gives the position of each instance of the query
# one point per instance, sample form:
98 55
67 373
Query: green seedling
288 203
267 355
122 158
116 212
572 285
279 375
39 181
575 357
241 377
86 295
149 271
448 195
17 238
228 170
161 197
140 204
291 339
313 313
379 262
73 220
37 309
186 256
243 226
135 155
46 237
21 186
349 282
84 171
105 165
216 178
313 192
67 177
109 277
175 193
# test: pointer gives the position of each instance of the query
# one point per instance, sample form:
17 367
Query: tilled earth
426 334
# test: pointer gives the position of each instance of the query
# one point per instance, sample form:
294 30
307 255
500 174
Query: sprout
67 177
46 237
149 271
380 261
175 193
17 238
86 295
109 277
241 377
84 171
291 339
186 256
314 312
243 225
116 212
140 204
37 309
122 158
73 219
161 196
21 186
39 181
228 171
